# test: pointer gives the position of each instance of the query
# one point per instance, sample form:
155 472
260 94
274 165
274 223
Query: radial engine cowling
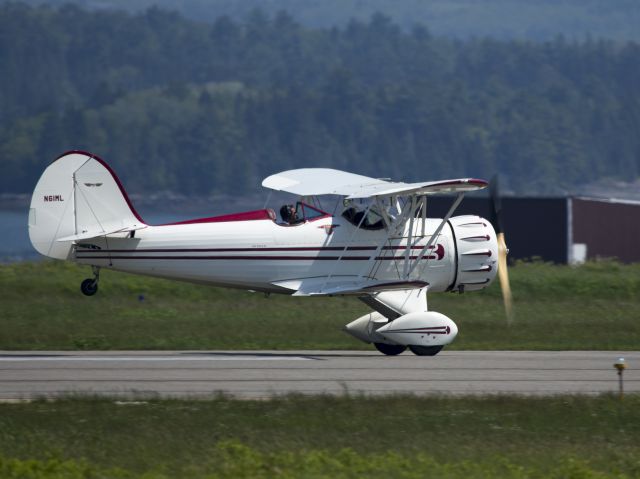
477 253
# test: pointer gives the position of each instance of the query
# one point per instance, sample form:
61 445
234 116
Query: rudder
78 196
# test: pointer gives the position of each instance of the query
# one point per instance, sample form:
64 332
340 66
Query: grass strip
594 306
232 460
295 436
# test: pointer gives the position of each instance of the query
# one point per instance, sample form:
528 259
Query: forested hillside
538 20
179 105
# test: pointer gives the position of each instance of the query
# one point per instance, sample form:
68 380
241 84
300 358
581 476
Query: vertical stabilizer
77 195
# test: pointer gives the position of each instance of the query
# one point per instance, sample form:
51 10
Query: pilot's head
288 213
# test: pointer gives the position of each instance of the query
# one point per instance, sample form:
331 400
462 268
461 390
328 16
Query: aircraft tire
89 287
390 349
425 350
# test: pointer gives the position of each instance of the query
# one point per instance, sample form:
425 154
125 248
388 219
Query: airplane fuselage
257 253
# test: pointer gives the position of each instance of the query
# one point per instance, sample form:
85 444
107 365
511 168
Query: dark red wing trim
113 174
471 181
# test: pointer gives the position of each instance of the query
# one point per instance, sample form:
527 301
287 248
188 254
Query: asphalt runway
264 374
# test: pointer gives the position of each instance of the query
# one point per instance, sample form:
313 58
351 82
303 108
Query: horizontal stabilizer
95 234
351 285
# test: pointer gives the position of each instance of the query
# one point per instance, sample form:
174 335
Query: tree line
507 19
197 108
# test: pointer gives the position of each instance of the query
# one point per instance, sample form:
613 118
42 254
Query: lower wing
339 285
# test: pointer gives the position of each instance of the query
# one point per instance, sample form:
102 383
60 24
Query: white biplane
378 245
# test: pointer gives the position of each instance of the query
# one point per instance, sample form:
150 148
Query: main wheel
425 350
89 287
390 349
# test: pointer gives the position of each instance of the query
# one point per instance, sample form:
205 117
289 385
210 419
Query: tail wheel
425 350
89 287
390 349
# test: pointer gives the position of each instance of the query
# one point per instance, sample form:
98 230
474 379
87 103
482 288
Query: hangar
562 229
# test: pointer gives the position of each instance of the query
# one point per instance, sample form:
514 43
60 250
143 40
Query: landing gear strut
89 286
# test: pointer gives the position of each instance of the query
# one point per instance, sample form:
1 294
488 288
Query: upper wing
320 181
427 188
324 285
327 181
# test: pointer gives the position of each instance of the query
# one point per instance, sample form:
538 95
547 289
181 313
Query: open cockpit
300 213
367 219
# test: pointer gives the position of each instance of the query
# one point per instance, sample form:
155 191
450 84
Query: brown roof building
561 230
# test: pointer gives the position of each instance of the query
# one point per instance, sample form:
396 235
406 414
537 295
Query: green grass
595 306
235 460
325 437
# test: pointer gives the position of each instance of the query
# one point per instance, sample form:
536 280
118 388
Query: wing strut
346 246
424 214
392 230
407 251
436 233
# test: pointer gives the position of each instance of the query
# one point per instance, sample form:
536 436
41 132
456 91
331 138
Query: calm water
15 244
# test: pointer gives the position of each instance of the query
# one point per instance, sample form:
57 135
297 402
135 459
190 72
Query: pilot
288 213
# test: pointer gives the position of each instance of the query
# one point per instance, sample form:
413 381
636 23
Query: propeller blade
496 204
503 272
503 276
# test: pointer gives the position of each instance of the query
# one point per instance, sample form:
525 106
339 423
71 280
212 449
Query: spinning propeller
503 273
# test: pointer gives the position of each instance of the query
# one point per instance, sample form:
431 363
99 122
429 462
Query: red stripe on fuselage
239 250
258 258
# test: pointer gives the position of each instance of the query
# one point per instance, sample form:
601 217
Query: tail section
78 197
